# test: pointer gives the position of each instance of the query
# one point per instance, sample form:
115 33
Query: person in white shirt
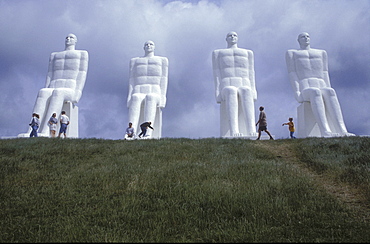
64 122
130 131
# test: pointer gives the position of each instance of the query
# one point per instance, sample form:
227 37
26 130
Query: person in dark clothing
35 122
144 126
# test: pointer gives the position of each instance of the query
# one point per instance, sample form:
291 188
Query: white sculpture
147 90
233 72
319 114
64 84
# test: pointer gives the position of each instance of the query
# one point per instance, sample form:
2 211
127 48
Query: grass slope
185 190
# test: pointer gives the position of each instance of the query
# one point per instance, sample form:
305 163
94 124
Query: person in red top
291 127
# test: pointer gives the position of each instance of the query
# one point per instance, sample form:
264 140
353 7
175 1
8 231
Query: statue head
232 38
71 40
304 39
149 46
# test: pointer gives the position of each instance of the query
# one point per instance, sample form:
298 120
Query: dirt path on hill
347 194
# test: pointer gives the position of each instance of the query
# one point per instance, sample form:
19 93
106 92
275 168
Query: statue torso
147 74
233 66
65 67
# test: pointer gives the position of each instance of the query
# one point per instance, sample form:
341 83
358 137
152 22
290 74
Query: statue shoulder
164 60
291 50
84 54
289 53
250 52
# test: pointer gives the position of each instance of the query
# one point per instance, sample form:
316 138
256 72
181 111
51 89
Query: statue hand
298 97
77 96
218 99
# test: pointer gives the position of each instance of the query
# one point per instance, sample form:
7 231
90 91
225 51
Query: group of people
52 123
130 131
262 122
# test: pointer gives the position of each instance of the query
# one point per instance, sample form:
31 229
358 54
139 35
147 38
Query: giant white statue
63 89
319 114
147 90
233 72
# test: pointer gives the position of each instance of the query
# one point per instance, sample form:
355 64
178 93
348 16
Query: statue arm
50 70
164 82
81 76
216 76
325 68
293 77
252 75
131 83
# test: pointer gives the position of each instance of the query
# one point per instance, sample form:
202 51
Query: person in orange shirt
291 127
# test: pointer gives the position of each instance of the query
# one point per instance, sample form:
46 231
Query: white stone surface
234 79
63 89
319 114
147 90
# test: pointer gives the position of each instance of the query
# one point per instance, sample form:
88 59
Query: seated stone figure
63 89
319 114
147 90
233 73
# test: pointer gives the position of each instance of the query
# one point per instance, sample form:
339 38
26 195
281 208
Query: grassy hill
185 190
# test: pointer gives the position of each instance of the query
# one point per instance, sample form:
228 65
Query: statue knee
229 90
245 91
313 92
330 92
152 98
64 94
44 92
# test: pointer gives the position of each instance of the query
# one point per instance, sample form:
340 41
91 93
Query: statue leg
246 98
230 97
134 110
314 96
334 110
58 97
151 103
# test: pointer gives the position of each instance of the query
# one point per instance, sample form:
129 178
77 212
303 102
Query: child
291 127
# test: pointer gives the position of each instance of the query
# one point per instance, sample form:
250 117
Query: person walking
144 126
35 122
262 124
64 122
291 127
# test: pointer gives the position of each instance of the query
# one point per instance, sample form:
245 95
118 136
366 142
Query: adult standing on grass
64 122
53 124
262 124
144 126
35 122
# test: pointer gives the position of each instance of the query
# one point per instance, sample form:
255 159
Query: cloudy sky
186 32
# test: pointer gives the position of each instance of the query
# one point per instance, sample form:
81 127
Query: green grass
184 190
